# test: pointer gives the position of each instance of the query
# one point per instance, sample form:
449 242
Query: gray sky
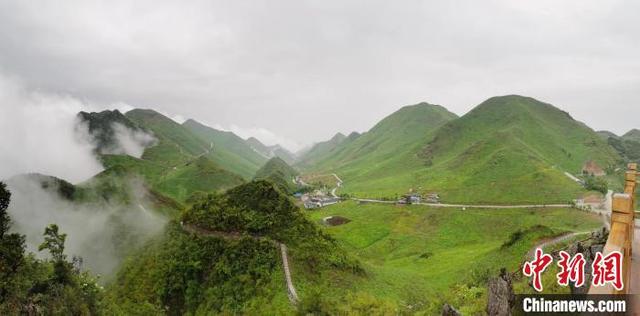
299 71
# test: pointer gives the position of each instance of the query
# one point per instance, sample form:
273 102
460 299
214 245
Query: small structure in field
592 168
318 202
411 198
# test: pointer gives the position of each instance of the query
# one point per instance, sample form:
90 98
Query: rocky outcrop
588 249
501 298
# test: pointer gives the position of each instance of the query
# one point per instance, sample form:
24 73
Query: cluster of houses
319 201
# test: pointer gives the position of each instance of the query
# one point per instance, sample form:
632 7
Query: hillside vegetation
380 161
229 150
419 258
628 145
507 146
278 172
509 149
320 151
223 257
180 162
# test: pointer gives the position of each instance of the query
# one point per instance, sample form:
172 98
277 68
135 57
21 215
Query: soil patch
335 220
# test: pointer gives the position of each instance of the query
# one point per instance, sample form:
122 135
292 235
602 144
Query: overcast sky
299 71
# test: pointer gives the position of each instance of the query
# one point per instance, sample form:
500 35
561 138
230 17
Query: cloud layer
37 134
307 69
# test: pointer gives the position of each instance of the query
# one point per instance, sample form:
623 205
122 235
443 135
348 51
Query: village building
592 168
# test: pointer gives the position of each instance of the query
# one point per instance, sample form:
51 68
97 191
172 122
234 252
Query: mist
131 142
37 134
103 234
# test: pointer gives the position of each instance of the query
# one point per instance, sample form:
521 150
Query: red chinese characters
571 269
536 267
605 269
608 269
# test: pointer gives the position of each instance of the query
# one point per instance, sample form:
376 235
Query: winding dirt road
291 290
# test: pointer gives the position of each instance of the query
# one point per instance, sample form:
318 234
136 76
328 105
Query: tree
12 246
54 242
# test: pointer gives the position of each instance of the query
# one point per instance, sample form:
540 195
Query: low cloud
37 134
100 233
131 142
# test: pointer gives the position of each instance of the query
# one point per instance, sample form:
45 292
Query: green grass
278 172
507 150
180 164
391 242
229 150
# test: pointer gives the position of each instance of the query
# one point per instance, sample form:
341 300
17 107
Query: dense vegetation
222 257
49 287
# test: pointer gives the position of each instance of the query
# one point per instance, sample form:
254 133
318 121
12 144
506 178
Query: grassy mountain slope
178 165
278 172
284 154
628 145
229 150
227 261
606 134
321 150
511 148
381 160
101 126
633 135
271 151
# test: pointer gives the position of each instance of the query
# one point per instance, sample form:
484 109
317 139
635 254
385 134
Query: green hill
284 154
280 173
224 258
320 151
628 145
229 150
511 149
633 135
271 151
380 161
606 134
101 126
175 145
178 165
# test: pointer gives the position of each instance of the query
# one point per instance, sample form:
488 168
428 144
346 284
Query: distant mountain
508 145
112 132
321 150
229 150
180 164
496 153
606 134
280 173
628 145
176 143
633 134
271 151
387 151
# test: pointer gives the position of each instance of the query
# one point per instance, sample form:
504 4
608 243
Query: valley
420 211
